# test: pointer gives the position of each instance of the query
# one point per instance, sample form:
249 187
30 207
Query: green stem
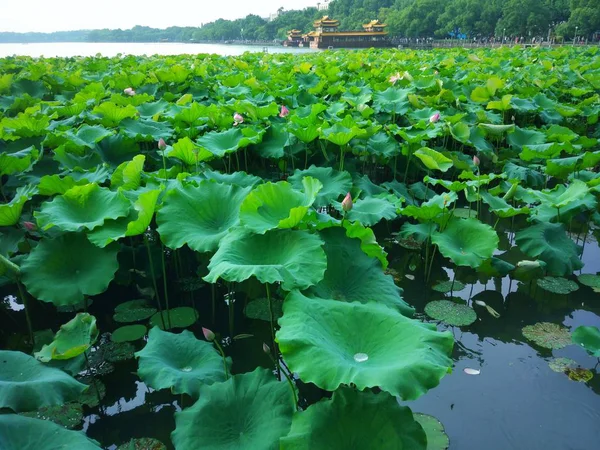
289 380
224 358
407 165
27 316
164 272
162 317
273 329
431 264
11 266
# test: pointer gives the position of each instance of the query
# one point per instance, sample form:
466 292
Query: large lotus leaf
372 210
432 208
145 130
550 243
219 143
451 313
274 141
368 241
179 362
188 152
72 339
334 183
547 335
248 411
25 433
68 415
112 114
241 179
128 175
180 317
466 242
562 197
86 206
355 420
433 159
27 384
588 338
501 207
329 343
65 269
10 212
351 275
207 212
278 205
294 258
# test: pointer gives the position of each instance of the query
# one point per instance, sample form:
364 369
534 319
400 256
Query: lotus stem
89 368
231 309
395 165
272 322
27 316
246 159
288 378
224 358
305 156
407 164
214 303
164 272
162 317
431 264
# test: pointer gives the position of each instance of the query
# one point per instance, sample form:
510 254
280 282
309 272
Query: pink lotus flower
395 78
237 119
209 335
162 144
284 111
30 226
129 91
347 203
476 161
434 118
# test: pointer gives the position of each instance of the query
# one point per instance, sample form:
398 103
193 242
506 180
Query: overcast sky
62 15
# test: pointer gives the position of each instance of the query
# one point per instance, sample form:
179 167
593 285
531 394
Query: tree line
405 18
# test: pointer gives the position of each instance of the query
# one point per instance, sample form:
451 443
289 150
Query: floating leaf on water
579 374
95 393
181 317
451 313
128 333
133 311
547 335
470 371
557 285
115 352
560 365
447 286
437 439
143 444
68 415
259 309
590 280
410 243
588 338
190 284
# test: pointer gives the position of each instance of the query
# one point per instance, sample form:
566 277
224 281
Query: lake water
67 49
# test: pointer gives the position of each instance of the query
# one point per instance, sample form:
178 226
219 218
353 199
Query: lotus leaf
179 362
451 313
181 317
437 439
550 243
128 333
74 338
249 411
588 338
329 343
557 285
466 242
65 269
334 183
223 142
352 419
351 275
560 365
95 393
259 309
26 384
433 159
371 210
10 212
208 212
590 280
68 415
143 444
294 258
278 205
448 286
86 206
547 335
241 179
133 311
579 374
25 433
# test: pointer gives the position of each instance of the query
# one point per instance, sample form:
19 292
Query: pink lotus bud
347 203
237 119
30 226
266 348
476 161
284 111
395 78
209 335
162 144
129 91
434 118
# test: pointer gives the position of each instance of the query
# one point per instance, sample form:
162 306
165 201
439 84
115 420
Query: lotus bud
162 144
266 349
284 111
209 335
395 78
129 91
347 203
237 119
476 161
434 118
30 226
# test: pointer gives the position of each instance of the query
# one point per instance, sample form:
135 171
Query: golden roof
374 23
327 20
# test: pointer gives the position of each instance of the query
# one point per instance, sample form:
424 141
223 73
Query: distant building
327 35
323 6
294 38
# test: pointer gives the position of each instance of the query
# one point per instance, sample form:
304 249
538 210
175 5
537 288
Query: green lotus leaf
294 258
368 241
181 317
588 338
274 141
208 211
25 433
87 136
339 135
249 411
560 365
67 416
133 311
392 100
501 207
51 185
352 419
334 183
557 285
143 444
590 280
501 105
454 186
259 309
432 208
128 175
433 159
329 343
17 161
219 143
72 339
437 439
26 384
448 286
95 393
562 197
278 205
550 243
86 206
65 269
179 362
382 145
451 313
521 137
113 114
128 333
579 374
145 130
351 275
529 176
188 152
419 232
241 179
10 212
372 210
547 335
466 242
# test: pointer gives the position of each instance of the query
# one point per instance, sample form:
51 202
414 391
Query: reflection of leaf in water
579 374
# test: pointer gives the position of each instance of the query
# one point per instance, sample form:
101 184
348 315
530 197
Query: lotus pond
290 251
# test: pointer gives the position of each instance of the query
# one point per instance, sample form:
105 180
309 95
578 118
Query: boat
326 35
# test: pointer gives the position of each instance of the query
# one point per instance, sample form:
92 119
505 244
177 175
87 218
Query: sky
65 15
